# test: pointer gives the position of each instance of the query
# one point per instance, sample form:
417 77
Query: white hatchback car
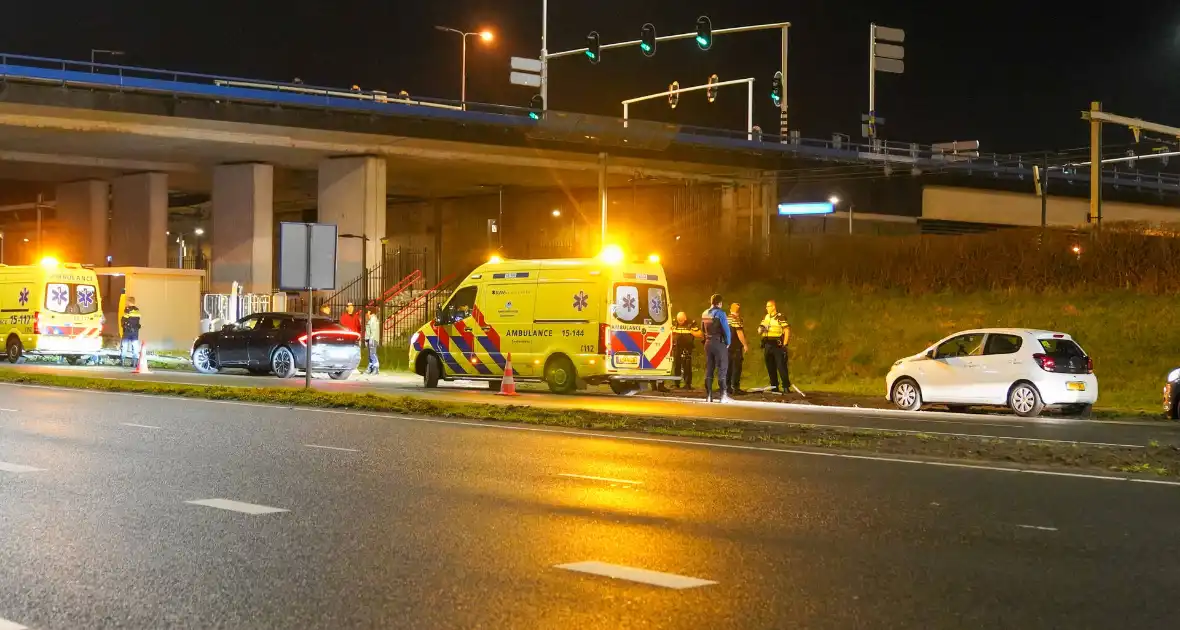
1017 367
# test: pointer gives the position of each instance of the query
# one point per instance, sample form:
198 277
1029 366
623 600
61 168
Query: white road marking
627 438
607 479
11 625
138 426
332 448
643 576
1038 527
13 411
18 468
237 506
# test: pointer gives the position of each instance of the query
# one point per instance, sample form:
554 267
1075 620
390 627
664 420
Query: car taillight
1089 365
1046 362
603 335
303 339
37 323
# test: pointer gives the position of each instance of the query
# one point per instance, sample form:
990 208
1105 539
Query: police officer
684 336
129 323
715 325
737 349
776 334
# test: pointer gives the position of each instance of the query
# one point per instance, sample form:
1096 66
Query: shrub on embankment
856 305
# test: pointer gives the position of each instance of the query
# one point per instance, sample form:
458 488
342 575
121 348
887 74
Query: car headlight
1174 375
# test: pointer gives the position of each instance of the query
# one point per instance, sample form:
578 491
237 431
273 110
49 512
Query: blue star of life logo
581 301
60 294
85 299
629 302
24 297
657 306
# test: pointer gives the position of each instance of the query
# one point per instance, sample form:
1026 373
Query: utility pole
602 194
1096 165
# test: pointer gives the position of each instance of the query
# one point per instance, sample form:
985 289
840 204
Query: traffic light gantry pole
546 55
673 90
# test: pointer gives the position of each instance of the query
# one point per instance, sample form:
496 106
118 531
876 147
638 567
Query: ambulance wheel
14 349
282 363
561 376
432 372
341 375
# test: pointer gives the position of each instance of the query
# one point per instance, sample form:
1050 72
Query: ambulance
567 322
50 309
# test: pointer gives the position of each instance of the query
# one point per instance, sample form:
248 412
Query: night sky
1013 76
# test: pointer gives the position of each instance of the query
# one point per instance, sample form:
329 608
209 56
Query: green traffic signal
534 116
645 47
647 40
704 32
702 41
593 47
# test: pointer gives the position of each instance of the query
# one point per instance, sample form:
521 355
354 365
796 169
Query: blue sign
819 207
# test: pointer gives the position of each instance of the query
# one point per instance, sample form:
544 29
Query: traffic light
704 33
593 47
711 91
647 40
536 106
673 95
776 89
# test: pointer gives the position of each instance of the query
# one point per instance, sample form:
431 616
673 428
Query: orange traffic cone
508 384
142 366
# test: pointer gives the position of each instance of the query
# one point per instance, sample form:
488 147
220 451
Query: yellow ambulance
567 322
51 309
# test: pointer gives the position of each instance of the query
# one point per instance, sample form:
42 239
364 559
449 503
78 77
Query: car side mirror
229 326
930 354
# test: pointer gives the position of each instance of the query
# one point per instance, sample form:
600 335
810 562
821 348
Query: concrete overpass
116 141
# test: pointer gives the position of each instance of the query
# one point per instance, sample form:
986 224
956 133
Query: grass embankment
1152 459
844 340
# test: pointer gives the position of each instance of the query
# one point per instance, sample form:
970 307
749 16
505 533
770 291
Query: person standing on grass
776 334
129 323
737 349
373 340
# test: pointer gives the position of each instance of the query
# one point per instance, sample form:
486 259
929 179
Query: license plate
1075 386
340 353
629 359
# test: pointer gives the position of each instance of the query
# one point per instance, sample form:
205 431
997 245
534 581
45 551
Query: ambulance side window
459 307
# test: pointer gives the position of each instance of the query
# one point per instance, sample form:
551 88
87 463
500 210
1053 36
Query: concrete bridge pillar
352 196
83 210
139 220
243 227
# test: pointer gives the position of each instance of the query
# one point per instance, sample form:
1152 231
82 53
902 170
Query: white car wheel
1025 400
907 395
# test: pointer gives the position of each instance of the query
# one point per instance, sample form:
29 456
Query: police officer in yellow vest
685 332
737 349
776 334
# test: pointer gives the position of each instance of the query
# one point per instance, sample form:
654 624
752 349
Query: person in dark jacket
684 335
737 349
715 325
130 325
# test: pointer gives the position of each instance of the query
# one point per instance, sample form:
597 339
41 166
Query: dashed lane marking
237 506
17 468
11 625
138 426
332 448
10 411
632 574
1038 527
606 479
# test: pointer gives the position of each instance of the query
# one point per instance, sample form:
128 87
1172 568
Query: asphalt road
418 523
1135 433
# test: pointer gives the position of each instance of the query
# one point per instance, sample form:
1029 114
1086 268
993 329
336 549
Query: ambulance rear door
641 337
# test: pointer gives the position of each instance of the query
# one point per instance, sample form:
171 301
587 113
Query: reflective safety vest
682 334
775 327
735 324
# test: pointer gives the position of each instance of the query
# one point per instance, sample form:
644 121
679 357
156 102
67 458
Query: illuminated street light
556 213
484 35
199 232
834 200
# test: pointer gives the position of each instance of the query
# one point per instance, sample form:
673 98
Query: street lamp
556 213
835 201
484 35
